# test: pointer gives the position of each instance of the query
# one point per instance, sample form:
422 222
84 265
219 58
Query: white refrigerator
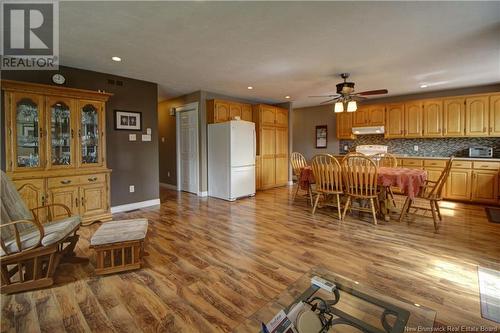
231 159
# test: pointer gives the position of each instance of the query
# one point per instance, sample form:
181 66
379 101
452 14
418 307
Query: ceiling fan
345 95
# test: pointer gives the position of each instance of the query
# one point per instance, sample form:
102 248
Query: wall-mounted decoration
321 136
128 120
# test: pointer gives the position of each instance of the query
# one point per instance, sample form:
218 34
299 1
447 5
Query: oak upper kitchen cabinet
432 118
476 115
394 121
413 119
343 123
494 115
361 117
377 115
219 111
454 117
369 115
271 124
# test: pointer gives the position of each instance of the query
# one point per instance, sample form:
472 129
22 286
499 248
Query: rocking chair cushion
13 208
54 232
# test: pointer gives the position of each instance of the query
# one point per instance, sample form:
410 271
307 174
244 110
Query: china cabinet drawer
63 181
486 165
92 179
462 164
435 163
412 163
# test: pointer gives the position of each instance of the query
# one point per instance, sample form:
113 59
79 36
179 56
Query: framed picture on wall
321 136
128 120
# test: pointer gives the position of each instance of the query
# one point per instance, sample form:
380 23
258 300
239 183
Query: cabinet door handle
72 133
66 181
92 179
83 201
76 202
41 132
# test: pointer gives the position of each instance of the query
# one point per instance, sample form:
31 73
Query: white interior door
188 150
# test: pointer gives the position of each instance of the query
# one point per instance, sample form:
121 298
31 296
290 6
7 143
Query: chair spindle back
360 176
327 173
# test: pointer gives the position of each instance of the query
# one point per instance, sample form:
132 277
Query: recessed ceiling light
287 97
423 86
116 58
249 87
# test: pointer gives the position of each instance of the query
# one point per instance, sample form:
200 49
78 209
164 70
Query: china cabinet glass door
61 132
90 134
28 132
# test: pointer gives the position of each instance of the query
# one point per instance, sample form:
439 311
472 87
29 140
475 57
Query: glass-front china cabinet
55 139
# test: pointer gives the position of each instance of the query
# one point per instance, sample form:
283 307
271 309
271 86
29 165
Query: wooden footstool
119 245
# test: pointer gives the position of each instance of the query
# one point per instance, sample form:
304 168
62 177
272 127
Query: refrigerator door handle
254 144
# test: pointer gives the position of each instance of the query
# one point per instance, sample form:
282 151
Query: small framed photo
321 136
128 120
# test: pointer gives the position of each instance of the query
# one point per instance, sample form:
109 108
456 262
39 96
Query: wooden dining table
409 181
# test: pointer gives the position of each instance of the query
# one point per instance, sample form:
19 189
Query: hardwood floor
212 264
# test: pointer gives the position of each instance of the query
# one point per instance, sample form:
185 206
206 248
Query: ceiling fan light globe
352 106
339 107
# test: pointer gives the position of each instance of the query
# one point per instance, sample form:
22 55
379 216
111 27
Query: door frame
184 108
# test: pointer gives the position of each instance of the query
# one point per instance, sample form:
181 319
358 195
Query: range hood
368 130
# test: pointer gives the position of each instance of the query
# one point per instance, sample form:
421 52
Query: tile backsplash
426 147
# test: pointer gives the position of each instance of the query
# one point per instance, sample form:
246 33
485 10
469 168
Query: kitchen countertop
492 159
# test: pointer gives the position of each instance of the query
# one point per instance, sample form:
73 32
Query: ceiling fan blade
325 96
373 92
358 98
326 102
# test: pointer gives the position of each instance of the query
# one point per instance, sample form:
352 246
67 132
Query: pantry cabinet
272 144
54 137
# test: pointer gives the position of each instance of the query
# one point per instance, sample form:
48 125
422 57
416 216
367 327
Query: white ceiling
285 48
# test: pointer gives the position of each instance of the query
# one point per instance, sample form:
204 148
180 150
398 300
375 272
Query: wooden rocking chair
31 250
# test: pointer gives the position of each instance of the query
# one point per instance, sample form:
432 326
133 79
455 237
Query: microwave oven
480 152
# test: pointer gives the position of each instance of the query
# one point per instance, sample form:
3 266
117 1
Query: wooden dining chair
359 175
351 154
298 162
430 192
390 161
328 176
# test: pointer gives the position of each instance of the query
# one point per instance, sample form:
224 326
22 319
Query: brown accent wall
133 163
305 121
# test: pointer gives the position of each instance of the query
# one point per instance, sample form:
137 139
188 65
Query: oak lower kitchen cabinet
475 181
271 125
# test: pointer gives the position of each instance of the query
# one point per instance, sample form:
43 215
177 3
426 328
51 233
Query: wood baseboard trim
135 205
